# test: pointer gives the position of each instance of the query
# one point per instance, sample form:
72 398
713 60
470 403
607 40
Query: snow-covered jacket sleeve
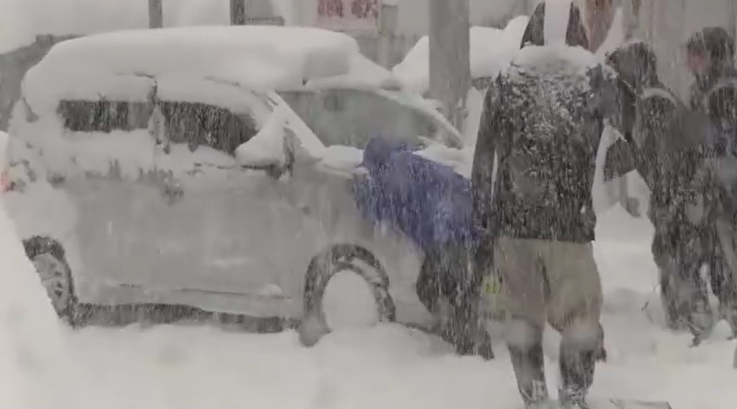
482 171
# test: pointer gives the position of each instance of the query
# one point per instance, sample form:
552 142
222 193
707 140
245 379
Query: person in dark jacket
588 28
714 91
543 119
669 145
431 204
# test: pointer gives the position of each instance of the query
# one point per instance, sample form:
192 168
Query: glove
492 283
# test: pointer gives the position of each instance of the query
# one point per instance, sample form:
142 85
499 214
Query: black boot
524 340
579 349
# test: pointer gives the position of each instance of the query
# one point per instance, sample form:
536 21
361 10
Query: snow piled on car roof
121 63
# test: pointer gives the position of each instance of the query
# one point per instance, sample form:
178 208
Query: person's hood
719 46
636 65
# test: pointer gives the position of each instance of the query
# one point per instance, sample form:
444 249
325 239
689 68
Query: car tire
48 257
337 258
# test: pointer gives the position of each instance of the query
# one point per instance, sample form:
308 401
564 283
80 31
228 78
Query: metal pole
387 31
237 12
155 14
732 27
450 70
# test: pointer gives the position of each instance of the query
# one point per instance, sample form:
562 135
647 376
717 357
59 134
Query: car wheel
323 267
48 258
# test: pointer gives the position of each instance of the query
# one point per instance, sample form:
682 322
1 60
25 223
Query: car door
228 231
107 142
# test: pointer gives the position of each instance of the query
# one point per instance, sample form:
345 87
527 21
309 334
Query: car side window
351 117
198 124
103 115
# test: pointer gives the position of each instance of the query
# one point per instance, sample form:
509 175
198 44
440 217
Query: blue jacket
427 201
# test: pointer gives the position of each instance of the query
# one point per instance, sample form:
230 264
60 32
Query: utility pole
450 71
388 19
631 9
155 14
732 27
238 12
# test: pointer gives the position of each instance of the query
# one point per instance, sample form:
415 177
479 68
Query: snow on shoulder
555 59
257 57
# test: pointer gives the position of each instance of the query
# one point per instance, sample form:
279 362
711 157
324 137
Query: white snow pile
31 343
22 20
257 57
363 74
491 50
341 160
266 148
553 58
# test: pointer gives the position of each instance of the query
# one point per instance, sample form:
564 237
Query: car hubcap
55 280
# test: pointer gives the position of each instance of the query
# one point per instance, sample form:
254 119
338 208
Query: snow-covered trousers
684 291
558 283
451 291
549 281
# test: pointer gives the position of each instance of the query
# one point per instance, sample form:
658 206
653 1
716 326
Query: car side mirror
269 149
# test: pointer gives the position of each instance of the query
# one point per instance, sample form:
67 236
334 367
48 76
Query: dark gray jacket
516 119
666 142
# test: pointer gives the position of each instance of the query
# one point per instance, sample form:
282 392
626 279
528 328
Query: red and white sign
348 15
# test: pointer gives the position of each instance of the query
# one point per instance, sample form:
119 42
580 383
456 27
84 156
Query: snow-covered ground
45 365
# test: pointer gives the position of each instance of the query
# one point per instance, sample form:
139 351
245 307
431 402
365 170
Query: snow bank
31 341
491 50
386 366
22 20
258 57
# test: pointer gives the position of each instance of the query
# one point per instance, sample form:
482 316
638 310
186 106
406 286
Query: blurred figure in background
668 144
714 91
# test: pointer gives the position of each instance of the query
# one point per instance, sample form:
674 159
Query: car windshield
351 117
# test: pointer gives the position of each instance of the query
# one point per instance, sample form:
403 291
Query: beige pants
557 282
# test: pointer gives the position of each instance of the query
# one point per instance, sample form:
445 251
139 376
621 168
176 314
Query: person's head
378 152
708 48
635 63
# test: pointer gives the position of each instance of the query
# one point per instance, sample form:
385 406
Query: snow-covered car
163 167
